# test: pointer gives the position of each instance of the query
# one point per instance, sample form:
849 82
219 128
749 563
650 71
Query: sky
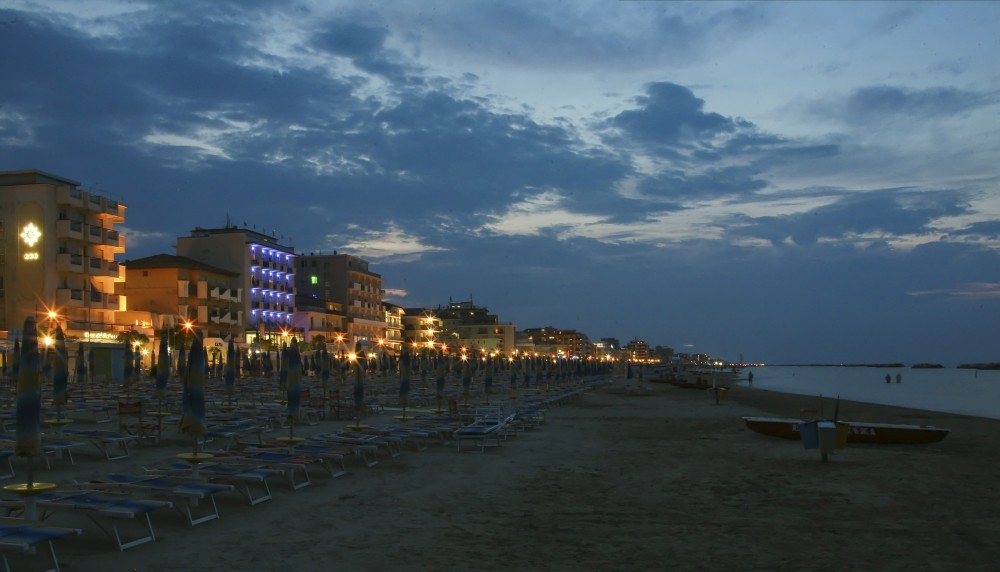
798 182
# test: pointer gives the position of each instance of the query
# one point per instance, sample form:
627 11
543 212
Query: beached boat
859 432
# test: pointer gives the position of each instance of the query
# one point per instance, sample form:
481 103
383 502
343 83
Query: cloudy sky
791 182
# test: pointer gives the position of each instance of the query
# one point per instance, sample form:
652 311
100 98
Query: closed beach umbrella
15 367
29 395
283 368
466 377
488 377
163 368
181 362
359 386
230 372
324 368
193 418
405 370
60 373
294 372
127 381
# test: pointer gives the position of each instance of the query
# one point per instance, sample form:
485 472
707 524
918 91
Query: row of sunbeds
121 504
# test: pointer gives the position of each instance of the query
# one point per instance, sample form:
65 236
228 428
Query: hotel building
267 273
346 280
57 253
166 290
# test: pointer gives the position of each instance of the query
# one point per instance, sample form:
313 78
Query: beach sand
667 481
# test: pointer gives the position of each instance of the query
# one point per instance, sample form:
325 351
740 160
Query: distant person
888 378
750 378
899 378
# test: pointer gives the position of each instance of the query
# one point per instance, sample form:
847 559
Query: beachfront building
58 245
422 326
637 351
463 324
394 338
266 270
319 320
346 280
164 291
559 342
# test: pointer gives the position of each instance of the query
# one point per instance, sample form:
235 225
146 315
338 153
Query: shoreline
610 481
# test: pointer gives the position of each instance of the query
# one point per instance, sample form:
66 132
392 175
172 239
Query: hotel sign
30 235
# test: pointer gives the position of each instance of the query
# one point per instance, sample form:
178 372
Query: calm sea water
952 390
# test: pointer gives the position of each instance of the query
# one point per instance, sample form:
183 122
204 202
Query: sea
949 389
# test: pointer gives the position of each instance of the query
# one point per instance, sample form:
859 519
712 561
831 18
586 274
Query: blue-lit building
267 269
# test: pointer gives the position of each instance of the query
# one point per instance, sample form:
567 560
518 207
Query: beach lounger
366 451
483 433
327 456
251 482
106 511
292 467
105 441
186 495
393 445
25 536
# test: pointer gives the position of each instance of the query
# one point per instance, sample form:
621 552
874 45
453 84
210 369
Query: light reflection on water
952 390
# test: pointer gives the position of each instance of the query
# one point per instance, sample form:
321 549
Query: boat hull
858 432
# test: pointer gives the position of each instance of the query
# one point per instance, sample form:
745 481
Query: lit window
314 280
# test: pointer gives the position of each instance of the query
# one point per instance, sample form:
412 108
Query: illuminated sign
30 235
100 336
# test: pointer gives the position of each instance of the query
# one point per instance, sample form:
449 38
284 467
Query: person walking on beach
888 378
899 378
750 378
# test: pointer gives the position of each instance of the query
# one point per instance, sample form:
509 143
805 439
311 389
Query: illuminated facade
267 275
172 289
555 341
58 245
345 279
464 324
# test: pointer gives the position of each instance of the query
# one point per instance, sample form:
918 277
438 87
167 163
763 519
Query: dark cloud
365 46
876 104
671 115
570 37
891 212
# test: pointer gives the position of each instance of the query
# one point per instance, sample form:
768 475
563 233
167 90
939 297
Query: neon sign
30 234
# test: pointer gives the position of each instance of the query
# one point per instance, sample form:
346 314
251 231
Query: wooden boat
694 384
859 432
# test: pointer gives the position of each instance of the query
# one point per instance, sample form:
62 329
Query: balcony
95 234
69 229
115 240
114 210
69 297
95 203
66 262
69 196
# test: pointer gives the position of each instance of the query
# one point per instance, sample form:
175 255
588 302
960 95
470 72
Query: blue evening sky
790 182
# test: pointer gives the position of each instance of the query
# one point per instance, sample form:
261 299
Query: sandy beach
664 481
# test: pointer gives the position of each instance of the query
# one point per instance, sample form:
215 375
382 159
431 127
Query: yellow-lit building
165 290
58 245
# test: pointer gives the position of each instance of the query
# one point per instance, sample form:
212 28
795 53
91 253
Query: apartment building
266 271
165 290
346 280
58 245
465 324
